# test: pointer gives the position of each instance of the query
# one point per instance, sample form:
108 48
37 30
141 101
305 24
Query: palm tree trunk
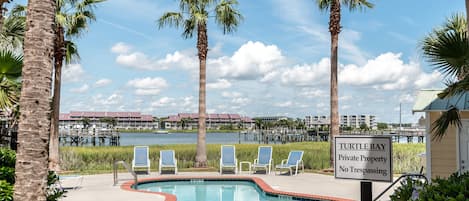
34 126
334 28
202 47
59 53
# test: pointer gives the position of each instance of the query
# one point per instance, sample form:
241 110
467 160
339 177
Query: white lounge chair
168 160
141 159
264 159
228 158
295 159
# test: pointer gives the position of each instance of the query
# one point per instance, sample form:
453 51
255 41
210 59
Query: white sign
363 158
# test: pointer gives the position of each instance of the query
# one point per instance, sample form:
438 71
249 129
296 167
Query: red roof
74 115
234 116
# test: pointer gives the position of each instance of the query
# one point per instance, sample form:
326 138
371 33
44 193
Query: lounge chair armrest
284 161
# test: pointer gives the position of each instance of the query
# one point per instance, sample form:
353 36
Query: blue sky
275 64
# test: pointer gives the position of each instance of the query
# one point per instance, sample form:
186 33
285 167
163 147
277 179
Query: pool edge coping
258 181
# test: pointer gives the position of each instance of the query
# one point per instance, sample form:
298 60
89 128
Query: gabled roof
427 100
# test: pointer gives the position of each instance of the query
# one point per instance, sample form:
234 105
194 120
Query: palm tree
31 167
333 6
72 18
193 17
447 48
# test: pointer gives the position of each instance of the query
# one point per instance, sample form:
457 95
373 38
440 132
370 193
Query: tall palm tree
31 167
333 6
72 18
447 48
192 17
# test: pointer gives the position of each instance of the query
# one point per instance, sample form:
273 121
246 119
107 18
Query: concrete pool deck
100 187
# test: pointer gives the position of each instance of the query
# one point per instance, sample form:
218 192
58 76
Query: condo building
123 120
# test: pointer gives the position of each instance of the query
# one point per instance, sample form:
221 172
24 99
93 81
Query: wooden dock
89 136
282 136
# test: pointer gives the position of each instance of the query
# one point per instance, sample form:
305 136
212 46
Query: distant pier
92 136
282 136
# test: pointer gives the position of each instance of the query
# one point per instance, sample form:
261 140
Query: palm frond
324 5
456 23
448 52
455 88
357 4
71 52
170 19
447 118
227 16
9 93
10 65
18 10
12 33
189 28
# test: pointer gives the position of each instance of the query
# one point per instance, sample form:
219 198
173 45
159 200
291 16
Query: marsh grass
316 156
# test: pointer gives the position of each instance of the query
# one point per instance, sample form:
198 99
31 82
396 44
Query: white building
124 120
353 121
316 122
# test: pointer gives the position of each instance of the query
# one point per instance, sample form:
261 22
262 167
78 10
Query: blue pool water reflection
211 190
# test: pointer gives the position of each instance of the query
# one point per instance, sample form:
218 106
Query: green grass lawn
316 156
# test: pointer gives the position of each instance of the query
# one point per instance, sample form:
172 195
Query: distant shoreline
176 131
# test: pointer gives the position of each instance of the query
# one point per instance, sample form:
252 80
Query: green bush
407 191
454 188
7 174
54 192
7 158
6 191
7 178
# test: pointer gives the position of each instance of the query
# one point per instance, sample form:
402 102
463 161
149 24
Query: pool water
212 191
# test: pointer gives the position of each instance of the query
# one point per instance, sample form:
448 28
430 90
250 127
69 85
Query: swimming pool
214 190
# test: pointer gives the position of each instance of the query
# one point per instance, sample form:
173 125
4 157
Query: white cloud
406 98
284 104
251 61
349 48
163 102
120 48
72 73
345 98
81 89
140 60
307 75
148 85
387 72
312 93
113 99
240 101
219 84
231 94
102 82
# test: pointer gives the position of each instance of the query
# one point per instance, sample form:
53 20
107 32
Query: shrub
7 158
408 190
7 174
54 192
6 191
454 188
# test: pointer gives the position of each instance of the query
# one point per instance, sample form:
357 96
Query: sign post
365 158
